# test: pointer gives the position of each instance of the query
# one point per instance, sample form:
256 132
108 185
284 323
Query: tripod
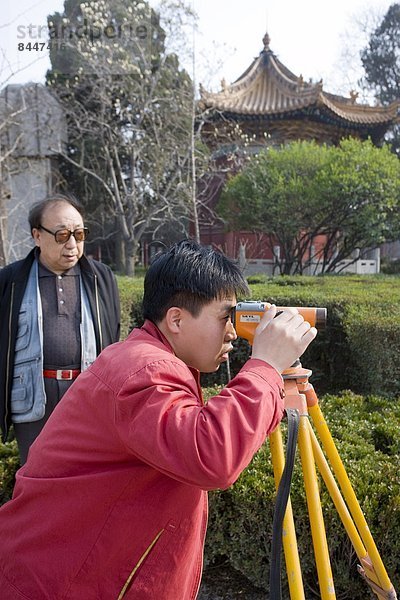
301 397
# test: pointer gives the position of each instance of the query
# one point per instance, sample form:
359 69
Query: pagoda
269 99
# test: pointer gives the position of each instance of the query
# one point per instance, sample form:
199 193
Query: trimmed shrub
9 464
373 337
131 296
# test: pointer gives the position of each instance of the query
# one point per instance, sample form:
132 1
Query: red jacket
112 503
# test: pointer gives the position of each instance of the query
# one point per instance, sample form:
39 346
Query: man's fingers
288 314
309 335
283 317
279 341
301 325
267 316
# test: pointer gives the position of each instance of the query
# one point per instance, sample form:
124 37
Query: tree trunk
119 247
130 257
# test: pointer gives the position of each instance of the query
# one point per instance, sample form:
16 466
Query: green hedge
9 463
367 436
131 295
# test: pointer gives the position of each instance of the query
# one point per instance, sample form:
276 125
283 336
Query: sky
312 38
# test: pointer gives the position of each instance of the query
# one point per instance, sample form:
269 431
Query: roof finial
353 96
266 41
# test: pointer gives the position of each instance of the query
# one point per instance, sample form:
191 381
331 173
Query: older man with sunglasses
58 310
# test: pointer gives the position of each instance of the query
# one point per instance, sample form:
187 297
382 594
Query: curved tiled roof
268 88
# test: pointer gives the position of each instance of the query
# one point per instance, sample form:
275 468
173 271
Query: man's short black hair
38 209
189 276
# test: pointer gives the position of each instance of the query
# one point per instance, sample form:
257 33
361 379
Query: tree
129 109
8 144
363 193
348 194
381 62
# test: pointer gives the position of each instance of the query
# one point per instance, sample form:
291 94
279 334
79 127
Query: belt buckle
64 374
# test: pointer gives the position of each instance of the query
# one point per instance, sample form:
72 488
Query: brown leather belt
65 374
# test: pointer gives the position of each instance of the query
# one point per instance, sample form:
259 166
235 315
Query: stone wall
33 133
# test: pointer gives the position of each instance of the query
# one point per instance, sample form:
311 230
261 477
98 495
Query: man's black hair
189 276
38 209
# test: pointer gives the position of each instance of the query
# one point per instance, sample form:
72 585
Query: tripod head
297 372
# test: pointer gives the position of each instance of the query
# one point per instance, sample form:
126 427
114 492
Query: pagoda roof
268 88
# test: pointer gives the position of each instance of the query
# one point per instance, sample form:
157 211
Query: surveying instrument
301 405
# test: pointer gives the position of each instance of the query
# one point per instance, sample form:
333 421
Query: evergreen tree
381 61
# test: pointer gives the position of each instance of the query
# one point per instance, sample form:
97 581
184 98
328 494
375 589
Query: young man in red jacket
112 502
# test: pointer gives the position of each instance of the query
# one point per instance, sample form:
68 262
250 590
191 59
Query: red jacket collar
153 330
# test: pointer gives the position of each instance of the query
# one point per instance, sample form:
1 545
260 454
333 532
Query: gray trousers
26 433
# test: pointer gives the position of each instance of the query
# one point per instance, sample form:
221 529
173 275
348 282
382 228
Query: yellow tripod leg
372 566
320 544
346 517
336 496
290 549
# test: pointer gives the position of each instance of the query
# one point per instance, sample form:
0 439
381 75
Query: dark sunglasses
62 235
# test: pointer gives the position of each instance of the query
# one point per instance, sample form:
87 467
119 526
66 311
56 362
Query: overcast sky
309 37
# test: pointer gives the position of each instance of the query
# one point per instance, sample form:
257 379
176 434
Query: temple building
269 106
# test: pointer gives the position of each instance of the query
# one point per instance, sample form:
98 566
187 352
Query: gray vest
28 398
